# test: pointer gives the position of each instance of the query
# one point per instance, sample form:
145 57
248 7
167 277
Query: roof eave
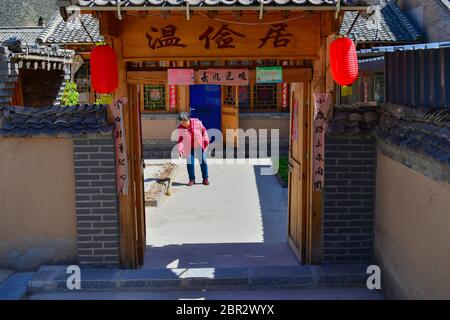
225 8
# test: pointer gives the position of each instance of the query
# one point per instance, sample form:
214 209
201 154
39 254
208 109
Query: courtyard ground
239 220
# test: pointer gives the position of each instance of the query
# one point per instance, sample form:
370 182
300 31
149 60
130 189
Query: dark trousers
201 156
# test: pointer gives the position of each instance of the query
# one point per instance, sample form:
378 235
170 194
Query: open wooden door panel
297 170
230 112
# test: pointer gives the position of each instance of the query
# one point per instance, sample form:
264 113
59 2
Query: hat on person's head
183 116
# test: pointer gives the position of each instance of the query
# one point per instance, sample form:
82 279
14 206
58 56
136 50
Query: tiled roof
353 119
53 121
129 4
58 31
416 130
27 35
431 138
394 26
19 49
25 13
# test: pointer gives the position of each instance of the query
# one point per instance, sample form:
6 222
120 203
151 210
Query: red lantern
104 71
344 61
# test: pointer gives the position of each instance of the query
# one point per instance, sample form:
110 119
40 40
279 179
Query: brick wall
349 198
96 202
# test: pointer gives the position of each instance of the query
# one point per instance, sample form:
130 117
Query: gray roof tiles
53 121
27 35
394 26
350 119
427 134
59 31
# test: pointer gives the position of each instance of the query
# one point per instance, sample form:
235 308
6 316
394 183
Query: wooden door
230 112
137 158
297 170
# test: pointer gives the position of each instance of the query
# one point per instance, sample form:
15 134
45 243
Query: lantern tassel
346 91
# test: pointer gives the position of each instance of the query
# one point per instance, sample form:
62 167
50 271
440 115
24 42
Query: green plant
283 169
70 95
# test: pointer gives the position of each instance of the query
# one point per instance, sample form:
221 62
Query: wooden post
128 248
322 83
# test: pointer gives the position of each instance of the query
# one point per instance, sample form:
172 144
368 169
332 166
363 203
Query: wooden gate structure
182 33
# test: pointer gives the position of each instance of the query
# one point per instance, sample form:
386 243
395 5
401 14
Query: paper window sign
224 76
269 74
180 76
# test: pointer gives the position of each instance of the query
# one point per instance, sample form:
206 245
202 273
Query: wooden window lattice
154 97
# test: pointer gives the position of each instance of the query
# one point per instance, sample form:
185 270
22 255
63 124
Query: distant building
431 17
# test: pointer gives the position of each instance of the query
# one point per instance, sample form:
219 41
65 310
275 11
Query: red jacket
194 136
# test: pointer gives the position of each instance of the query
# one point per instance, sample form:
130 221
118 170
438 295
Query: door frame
311 249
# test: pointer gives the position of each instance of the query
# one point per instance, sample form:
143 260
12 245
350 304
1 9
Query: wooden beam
289 75
109 24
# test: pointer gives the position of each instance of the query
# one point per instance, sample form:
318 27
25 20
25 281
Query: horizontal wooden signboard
202 37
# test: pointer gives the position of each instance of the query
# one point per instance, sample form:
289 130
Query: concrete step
5 100
8 79
6 93
6 86
15 286
54 278
233 295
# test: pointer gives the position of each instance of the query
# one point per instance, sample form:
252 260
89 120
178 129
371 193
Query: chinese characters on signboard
322 103
180 76
163 37
224 76
223 37
121 148
269 74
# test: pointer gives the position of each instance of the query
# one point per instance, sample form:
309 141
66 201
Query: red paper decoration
104 71
344 61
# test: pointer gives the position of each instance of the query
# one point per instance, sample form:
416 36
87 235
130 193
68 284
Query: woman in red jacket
193 141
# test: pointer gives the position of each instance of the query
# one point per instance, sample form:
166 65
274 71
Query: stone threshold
53 278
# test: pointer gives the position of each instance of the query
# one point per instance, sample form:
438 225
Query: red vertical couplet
284 95
172 97
121 147
322 103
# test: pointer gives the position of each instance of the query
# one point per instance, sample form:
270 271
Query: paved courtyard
240 219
